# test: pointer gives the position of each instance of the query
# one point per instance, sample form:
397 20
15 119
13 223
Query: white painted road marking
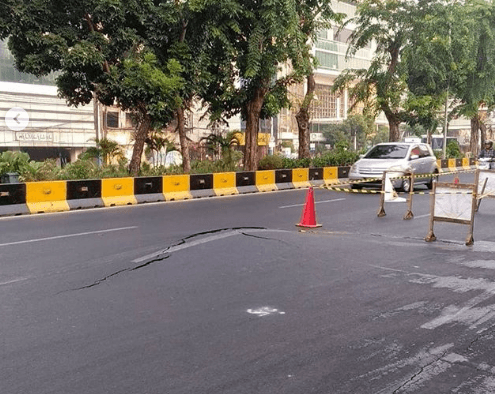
265 311
68 236
316 202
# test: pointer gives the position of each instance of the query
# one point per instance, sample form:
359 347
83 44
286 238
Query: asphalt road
225 295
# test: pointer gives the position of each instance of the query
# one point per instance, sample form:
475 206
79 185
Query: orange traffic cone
308 216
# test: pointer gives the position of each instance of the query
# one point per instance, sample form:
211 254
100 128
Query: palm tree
105 149
156 142
221 145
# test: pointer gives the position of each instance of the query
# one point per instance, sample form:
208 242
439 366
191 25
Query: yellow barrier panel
176 187
330 175
452 165
118 191
265 180
46 196
439 165
465 163
224 184
300 177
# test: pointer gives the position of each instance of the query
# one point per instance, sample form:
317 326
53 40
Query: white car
400 157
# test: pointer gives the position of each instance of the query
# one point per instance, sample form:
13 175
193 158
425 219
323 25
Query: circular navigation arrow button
16 119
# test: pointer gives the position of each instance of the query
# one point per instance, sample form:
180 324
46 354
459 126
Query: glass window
415 151
113 119
388 152
130 122
423 151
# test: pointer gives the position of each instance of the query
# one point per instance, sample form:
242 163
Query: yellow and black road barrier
59 196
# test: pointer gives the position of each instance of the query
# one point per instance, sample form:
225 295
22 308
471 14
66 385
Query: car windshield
388 152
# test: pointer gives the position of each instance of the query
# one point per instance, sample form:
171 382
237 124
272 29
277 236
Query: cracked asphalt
226 295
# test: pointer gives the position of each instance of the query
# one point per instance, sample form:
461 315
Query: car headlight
354 168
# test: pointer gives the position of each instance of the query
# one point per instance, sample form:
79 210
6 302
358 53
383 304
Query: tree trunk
141 135
474 143
393 124
253 111
483 132
184 146
303 118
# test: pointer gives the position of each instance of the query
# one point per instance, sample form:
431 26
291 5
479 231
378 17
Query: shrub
80 169
41 171
271 162
336 157
453 151
16 162
296 163
202 166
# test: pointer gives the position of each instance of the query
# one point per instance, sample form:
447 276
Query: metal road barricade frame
460 200
381 210
485 179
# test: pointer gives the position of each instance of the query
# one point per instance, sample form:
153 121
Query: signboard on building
263 138
33 136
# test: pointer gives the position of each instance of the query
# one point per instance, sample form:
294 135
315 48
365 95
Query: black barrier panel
202 182
245 179
316 174
343 172
148 185
83 189
283 176
458 163
445 163
12 193
472 161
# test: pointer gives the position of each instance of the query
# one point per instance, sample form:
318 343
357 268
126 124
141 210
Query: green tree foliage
314 15
382 86
263 36
477 89
102 49
361 126
106 149
447 42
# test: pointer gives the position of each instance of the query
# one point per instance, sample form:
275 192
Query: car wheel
406 185
429 185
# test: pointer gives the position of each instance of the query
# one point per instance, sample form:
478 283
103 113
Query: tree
447 60
196 38
263 36
477 90
382 86
357 128
102 49
156 142
314 15
105 149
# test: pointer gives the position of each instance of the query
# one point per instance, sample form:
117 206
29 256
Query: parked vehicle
400 157
486 163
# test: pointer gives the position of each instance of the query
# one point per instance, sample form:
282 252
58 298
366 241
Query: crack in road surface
164 254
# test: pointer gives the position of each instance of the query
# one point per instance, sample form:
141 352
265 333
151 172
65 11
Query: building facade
35 120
